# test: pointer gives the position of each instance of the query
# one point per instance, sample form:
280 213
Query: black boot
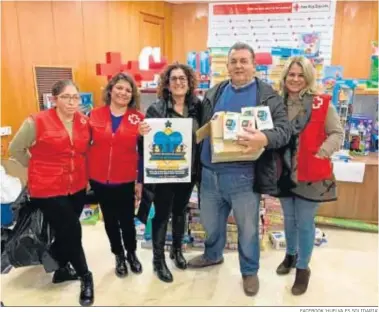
121 269
178 224
159 262
134 263
86 290
301 281
287 264
64 274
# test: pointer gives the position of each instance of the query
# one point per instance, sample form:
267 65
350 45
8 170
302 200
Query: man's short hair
242 46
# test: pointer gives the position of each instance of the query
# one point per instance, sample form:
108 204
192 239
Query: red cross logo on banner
296 7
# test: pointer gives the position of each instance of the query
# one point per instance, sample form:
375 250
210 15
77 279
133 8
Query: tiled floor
344 273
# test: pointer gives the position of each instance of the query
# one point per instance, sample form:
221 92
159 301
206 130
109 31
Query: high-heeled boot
159 263
87 294
178 224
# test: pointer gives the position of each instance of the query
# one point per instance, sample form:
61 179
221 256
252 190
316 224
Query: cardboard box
223 150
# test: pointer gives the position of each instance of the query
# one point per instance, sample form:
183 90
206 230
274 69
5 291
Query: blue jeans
219 193
299 228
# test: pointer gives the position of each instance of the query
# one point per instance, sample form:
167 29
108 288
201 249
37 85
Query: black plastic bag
31 241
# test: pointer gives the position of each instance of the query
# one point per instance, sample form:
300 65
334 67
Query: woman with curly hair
176 99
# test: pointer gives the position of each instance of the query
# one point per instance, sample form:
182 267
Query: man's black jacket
267 167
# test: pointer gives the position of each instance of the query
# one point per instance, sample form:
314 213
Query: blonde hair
308 72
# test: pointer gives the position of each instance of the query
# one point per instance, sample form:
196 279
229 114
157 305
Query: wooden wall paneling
120 37
150 7
178 32
355 27
168 30
96 42
151 31
69 38
190 29
14 104
37 39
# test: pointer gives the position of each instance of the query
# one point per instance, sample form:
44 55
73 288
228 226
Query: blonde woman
307 177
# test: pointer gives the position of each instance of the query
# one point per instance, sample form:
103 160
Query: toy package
200 63
262 73
373 79
374 136
331 75
310 44
278 241
343 94
360 133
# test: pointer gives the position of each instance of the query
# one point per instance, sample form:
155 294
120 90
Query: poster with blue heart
168 150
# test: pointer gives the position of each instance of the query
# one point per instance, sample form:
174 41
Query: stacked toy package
219 59
140 229
90 214
374 136
331 75
198 234
360 135
200 63
343 95
274 215
373 79
278 240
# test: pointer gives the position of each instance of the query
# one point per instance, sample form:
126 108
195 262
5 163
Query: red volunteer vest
112 156
57 166
311 168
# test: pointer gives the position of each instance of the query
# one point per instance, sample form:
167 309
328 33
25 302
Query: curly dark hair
163 91
134 102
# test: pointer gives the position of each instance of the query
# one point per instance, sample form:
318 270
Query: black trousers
62 213
170 198
117 206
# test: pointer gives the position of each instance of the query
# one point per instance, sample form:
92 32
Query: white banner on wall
267 24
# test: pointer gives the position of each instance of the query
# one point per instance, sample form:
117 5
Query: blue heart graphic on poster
168 142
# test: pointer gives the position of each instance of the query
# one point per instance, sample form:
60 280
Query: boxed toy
331 75
310 44
342 100
222 130
374 136
278 240
360 134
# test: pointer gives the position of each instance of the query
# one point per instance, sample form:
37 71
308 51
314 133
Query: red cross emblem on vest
134 119
317 102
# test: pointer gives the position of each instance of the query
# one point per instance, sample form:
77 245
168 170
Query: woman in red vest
53 145
113 161
307 178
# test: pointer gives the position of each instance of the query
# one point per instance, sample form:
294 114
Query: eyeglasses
180 78
67 98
